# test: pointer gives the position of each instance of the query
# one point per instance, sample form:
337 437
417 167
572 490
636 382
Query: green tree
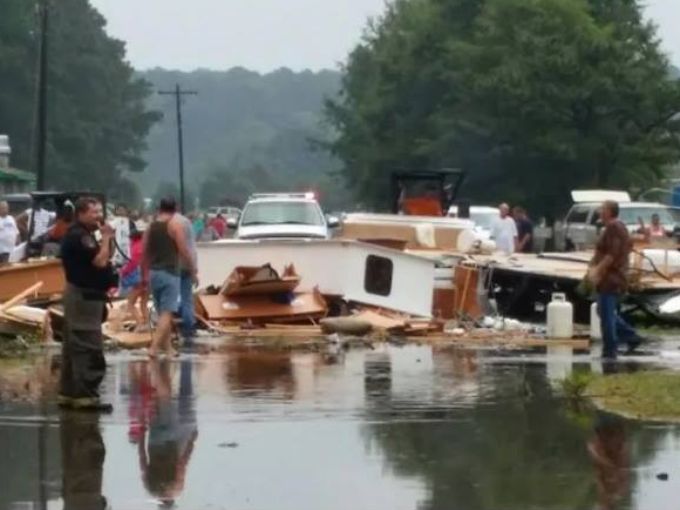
97 115
240 123
531 98
17 57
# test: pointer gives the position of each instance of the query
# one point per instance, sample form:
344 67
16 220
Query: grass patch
650 395
18 346
576 385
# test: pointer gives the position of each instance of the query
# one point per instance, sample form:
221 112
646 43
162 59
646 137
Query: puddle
391 428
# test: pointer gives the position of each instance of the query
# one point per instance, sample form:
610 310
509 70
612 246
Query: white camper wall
336 267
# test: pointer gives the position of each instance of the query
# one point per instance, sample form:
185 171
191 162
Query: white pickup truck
282 215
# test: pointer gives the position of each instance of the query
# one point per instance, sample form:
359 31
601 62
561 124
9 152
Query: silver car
582 224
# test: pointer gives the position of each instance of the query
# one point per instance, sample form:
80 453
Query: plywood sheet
446 238
262 308
260 280
17 277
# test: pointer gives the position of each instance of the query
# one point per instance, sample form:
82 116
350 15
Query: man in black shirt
525 231
88 278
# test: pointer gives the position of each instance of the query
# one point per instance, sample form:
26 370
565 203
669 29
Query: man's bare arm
176 230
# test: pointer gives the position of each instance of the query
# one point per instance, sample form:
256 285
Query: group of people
513 231
608 271
160 261
208 229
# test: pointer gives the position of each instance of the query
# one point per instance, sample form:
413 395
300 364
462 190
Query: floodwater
411 428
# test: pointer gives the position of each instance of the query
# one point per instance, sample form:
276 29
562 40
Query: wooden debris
263 280
16 319
18 298
264 309
16 277
128 339
268 331
346 326
381 321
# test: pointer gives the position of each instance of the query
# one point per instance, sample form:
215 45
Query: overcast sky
264 35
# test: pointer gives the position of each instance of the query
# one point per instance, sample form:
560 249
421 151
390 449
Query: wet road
395 428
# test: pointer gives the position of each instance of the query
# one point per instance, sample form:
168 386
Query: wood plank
379 321
577 344
262 308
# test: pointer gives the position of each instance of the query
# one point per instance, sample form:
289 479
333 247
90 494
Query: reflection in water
608 450
513 450
404 428
83 453
251 373
378 378
165 429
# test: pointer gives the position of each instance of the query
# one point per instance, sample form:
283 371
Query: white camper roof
597 195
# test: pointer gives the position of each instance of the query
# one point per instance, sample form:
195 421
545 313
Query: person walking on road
9 233
525 230
89 276
504 231
165 246
608 273
132 282
187 281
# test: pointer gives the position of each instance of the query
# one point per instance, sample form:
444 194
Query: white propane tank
595 325
560 317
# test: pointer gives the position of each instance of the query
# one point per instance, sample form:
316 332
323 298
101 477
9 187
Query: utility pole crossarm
179 93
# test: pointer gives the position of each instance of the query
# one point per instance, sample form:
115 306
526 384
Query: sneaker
633 345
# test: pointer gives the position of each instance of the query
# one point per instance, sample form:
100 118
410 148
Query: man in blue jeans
165 252
187 280
609 273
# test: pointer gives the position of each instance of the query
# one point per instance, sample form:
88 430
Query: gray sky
267 34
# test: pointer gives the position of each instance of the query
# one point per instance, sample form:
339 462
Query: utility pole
42 97
179 93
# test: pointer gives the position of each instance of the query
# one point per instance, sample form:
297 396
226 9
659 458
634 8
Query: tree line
98 117
245 132
532 98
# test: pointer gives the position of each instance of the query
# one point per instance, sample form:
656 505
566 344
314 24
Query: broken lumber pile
258 295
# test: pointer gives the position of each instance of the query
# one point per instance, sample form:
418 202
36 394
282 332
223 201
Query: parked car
483 217
582 225
282 215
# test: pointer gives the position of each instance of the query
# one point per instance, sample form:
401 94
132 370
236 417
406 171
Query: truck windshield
282 213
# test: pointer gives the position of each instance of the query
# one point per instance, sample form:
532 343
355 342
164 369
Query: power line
42 97
179 93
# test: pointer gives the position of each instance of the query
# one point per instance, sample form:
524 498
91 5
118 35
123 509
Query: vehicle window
484 219
675 212
378 276
578 214
282 213
631 215
595 218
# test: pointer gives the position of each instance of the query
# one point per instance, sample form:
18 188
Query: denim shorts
164 290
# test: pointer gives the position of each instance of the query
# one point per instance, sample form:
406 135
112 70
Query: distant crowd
206 228
513 232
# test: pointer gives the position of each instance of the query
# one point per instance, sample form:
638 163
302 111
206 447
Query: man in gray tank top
165 250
